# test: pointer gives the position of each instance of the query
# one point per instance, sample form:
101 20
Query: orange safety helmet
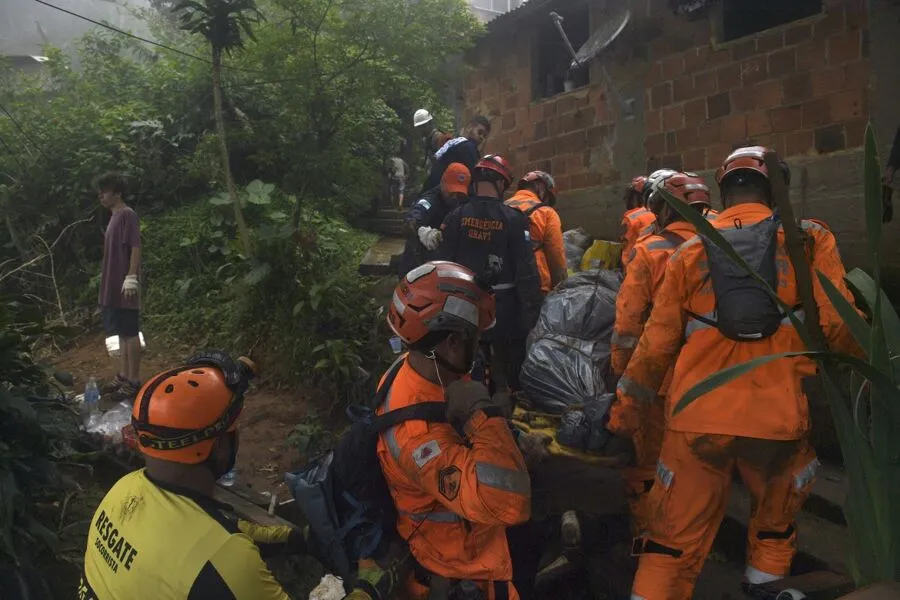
440 296
749 158
178 414
496 164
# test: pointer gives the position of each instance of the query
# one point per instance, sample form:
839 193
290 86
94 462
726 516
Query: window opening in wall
551 75
496 6
741 18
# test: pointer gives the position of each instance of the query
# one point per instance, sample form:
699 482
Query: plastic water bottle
227 479
91 397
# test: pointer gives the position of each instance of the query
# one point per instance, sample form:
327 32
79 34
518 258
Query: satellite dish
611 28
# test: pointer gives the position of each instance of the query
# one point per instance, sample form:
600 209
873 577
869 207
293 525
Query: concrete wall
806 89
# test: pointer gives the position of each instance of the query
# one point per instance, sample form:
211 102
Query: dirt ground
269 415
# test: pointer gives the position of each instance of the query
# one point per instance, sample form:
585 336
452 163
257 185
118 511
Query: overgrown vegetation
36 428
321 94
868 419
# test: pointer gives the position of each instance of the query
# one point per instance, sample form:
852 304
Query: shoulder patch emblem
425 203
448 482
425 453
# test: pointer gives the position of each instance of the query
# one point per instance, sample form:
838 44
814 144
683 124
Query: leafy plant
867 422
35 429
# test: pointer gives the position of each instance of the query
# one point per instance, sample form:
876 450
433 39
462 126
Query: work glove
130 286
534 447
380 579
464 397
430 237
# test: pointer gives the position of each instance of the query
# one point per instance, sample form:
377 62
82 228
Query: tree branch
50 248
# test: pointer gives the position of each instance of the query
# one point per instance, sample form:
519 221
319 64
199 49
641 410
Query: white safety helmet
421 117
655 181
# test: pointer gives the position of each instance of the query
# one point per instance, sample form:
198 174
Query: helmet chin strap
443 362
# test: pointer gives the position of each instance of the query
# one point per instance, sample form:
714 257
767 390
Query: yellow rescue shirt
151 541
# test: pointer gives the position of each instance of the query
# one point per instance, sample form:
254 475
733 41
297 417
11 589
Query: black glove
465 397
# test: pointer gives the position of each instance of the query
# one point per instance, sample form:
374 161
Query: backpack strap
537 206
389 378
434 412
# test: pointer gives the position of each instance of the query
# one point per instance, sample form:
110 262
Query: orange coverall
546 237
756 423
636 223
633 304
455 497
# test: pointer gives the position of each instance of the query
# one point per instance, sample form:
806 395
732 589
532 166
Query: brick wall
804 88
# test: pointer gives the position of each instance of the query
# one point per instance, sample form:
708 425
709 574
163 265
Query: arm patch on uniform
426 453
425 203
448 482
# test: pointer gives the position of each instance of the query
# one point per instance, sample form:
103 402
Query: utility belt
445 588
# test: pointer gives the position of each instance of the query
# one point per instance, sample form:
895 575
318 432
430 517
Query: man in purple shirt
120 290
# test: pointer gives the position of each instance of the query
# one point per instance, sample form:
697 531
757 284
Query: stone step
380 258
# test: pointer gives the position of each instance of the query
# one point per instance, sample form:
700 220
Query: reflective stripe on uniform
648 229
390 436
624 341
694 325
504 286
434 517
502 478
660 245
754 576
806 476
631 388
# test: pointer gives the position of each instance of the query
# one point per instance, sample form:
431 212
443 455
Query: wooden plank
248 510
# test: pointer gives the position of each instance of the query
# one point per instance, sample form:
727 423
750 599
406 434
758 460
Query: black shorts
125 322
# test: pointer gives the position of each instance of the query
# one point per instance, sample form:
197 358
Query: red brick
661 95
728 77
653 121
672 67
718 58
782 62
775 141
710 132
743 50
694 160
508 122
540 130
816 113
687 138
858 75
716 153
857 15
683 88
768 94
827 81
673 117
848 105
563 183
585 180
811 55
654 75
672 161
754 70
844 48
565 104
598 135
743 99
758 123
770 41
734 128
655 144
511 102
705 83
798 142
550 109
695 112
831 138
798 88
695 59
831 24
856 132
718 106
786 118
801 32
574 163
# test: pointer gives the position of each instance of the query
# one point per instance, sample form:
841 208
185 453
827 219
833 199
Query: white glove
130 286
430 237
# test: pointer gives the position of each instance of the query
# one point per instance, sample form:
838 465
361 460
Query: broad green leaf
220 200
705 229
298 308
864 286
720 378
861 331
257 274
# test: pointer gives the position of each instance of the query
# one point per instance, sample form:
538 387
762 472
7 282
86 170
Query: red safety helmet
440 296
497 164
689 188
548 182
638 183
749 158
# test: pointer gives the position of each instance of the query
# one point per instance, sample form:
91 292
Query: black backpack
343 493
744 310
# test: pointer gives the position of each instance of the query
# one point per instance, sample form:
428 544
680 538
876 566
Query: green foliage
867 422
35 430
224 23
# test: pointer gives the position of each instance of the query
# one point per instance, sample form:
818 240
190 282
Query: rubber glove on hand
430 237
130 286
464 398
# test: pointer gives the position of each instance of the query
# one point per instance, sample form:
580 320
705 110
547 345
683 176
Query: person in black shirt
463 149
493 240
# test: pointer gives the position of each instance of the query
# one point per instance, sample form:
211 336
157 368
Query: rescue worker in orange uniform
457 485
711 315
633 303
535 198
636 218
